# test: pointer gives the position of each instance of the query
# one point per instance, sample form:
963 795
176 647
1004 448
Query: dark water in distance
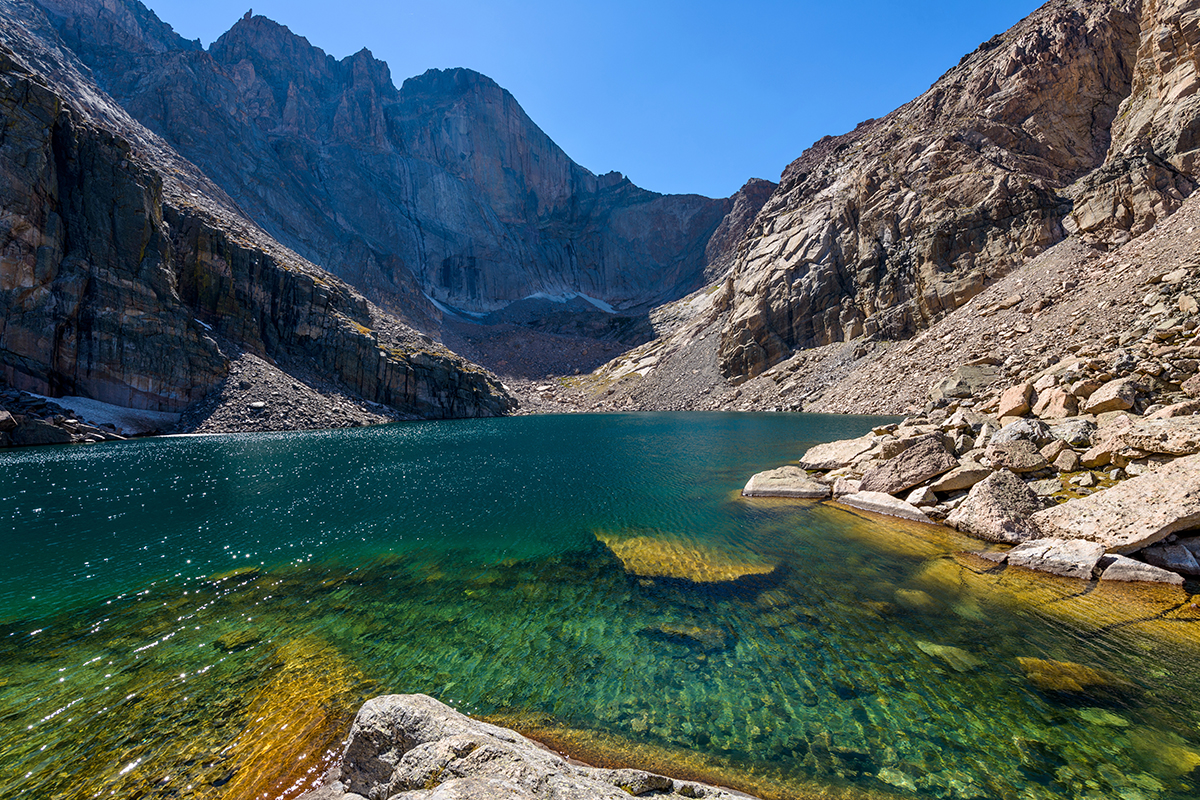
462 559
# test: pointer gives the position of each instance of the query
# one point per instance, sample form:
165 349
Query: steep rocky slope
1073 133
126 276
443 187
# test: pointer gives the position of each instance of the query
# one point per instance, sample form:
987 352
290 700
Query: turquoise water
167 606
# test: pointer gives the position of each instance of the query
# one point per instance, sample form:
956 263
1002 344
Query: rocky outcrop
415 748
443 187
122 265
891 226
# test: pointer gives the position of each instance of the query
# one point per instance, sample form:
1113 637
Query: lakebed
202 616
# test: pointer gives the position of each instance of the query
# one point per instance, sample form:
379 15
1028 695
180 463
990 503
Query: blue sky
681 96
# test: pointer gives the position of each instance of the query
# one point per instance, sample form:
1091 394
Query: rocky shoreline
1082 465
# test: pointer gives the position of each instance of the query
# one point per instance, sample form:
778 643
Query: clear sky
680 95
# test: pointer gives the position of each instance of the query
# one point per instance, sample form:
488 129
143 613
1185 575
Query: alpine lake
200 617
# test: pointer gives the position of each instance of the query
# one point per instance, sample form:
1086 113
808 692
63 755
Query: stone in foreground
998 509
1068 558
786 481
1133 514
881 503
415 748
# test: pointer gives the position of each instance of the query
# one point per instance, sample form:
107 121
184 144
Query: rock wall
118 259
891 226
443 187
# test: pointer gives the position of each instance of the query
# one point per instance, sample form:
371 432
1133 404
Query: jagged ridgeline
1080 120
123 264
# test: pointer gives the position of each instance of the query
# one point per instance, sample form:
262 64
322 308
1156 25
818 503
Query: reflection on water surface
200 617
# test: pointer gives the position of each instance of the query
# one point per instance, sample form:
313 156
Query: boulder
1068 558
1173 557
881 503
7 423
1173 436
835 455
786 481
1031 430
967 381
1020 456
1134 513
964 476
1067 461
998 509
1076 431
843 486
1185 409
413 743
968 420
922 497
925 459
1113 396
1014 402
1191 387
1056 404
32 432
1054 449
1124 568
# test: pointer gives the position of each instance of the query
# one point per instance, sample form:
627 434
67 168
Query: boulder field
1063 466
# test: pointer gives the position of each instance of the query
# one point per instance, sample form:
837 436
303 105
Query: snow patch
454 312
127 421
563 298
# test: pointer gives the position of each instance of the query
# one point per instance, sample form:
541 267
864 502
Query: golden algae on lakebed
661 555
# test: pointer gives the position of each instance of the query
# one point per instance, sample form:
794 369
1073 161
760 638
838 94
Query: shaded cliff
121 265
443 187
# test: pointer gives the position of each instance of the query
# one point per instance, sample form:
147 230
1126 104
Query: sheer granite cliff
120 262
443 187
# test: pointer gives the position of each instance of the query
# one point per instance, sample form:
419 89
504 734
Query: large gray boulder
1124 568
1133 514
926 458
786 481
1031 430
1020 456
998 509
415 748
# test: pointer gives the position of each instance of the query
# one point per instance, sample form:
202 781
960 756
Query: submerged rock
958 659
661 557
1065 676
413 747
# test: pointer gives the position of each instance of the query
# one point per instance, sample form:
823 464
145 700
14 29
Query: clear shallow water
199 617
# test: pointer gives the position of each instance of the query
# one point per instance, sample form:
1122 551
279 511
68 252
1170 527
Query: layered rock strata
122 265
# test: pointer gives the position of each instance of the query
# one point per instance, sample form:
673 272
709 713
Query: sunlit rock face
1080 119
443 187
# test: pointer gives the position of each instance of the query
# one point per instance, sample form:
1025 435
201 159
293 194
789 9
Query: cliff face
118 259
889 227
443 187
